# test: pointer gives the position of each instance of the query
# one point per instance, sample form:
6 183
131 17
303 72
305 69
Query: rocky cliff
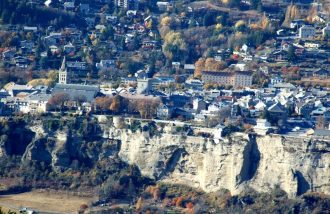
297 165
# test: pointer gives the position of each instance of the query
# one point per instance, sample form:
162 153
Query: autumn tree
179 201
139 204
116 104
213 65
148 107
199 67
240 25
58 100
103 103
174 45
166 21
292 12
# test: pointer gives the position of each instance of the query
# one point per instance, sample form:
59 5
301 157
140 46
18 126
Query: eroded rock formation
297 165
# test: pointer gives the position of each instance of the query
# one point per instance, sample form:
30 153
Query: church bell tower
63 73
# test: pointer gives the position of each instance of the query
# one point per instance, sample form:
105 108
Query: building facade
306 32
236 78
63 73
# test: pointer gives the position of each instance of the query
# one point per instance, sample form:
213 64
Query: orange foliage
179 201
189 205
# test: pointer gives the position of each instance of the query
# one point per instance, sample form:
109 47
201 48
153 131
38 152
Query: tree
240 26
147 107
166 21
292 12
208 19
179 201
320 122
116 104
291 54
58 100
80 98
199 67
103 103
174 45
138 205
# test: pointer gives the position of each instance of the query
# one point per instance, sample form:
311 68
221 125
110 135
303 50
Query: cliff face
296 165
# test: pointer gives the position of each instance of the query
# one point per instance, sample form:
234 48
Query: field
42 201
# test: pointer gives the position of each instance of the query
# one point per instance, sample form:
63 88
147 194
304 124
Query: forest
27 13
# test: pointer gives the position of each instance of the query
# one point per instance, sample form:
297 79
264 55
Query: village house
105 64
164 6
8 54
164 112
306 32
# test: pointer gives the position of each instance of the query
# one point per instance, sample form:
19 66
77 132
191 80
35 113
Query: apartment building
234 78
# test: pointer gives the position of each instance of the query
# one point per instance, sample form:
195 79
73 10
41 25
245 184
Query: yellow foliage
264 22
292 12
50 80
199 66
240 23
166 21
311 14
92 36
36 82
150 23
173 39
218 27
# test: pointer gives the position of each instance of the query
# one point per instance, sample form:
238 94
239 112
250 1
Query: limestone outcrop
297 165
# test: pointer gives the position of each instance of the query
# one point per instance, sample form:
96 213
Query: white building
326 31
63 73
305 32
144 86
262 127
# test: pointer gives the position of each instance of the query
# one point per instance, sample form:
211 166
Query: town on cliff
156 106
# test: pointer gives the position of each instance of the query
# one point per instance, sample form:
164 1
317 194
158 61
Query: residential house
277 112
30 29
69 48
304 108
21 61
127 4
297 23
129 80
77 68
38 102
164 112
199 105
69 5
8 54
164 6
189 68
176 65
306 32
105 64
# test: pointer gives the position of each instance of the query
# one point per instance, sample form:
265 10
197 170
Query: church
64 85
